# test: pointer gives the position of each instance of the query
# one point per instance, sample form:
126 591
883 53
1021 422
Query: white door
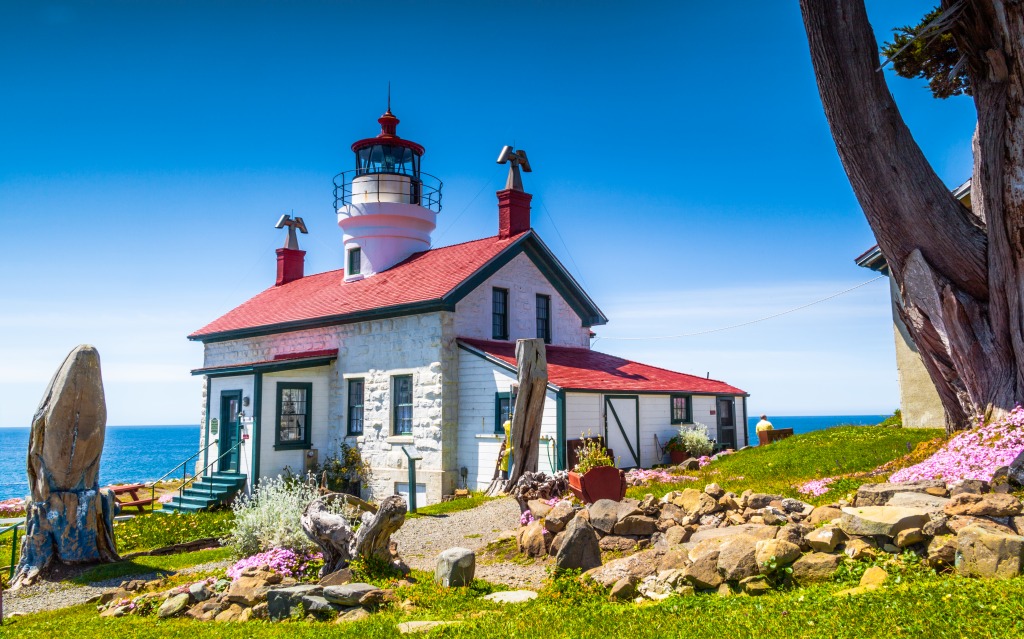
622 428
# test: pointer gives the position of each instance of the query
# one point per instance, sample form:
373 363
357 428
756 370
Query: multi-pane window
499 313
681 405
544 318
401 404
293 414
355 407
502 410
355 261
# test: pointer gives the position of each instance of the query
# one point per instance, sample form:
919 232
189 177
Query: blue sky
683 170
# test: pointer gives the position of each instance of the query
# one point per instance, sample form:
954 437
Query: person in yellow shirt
764 424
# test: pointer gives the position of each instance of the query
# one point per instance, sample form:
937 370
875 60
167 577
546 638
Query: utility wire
579 272
466 208
762 319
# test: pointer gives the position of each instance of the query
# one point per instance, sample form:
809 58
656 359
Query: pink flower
816 487
280 560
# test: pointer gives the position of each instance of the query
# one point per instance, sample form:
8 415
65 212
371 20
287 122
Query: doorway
230 406
622 428
726 423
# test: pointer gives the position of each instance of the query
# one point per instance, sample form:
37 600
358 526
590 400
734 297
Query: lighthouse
387 207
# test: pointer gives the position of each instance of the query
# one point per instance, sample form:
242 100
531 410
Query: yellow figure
506 455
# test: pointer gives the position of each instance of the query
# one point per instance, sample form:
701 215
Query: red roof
583 369
298 358
422 277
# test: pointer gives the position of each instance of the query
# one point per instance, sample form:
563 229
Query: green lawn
455 505
825 453
141 565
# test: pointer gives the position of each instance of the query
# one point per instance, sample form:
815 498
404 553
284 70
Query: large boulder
559 516
942 551
825 539
580 546
455 567
815 566
347 594
703 574
757 531
696 503
635 525
880 494
538 508
823 515
281 601
604 514
990 555
918 500
534 539
634 567
737 558
784 553
988 505
173 605
881 520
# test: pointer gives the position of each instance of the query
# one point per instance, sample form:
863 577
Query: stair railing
184 471
14 547
181 489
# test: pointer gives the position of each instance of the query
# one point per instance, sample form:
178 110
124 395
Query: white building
412 347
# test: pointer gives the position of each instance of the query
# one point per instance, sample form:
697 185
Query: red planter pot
603 482
678 456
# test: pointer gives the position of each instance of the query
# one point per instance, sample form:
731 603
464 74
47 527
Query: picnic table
132 490
769 436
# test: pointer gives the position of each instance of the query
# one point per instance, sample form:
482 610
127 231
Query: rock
511 596
635 525
879 494
936 525
539 509
696 503
873 576
676 535
229 614
410 627
353 614
604 514
737 558
976 486
1015 471
815 566
346 594
989 505
755 586
173 606
725 590
857 549
909 537
918 500
989 555
317 606
794 534
375 598
455 567
757 501
199 591
672 513
260 611
825 539
636 567
942 551
703 574
956 524
714 490
674 559
823 515
559 516
580 547
280 601
690 464
783 551
795 506
336 578
699 549
617 543
248 591
628 507
649 506
556 543
534 539
728 502
757 531
881 520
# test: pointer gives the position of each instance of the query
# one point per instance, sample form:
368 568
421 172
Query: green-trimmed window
294 414
544 318
499 313
401 404
355 261
502 410
682 409
355 406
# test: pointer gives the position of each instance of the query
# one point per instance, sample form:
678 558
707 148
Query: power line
579 272
466 208
762 319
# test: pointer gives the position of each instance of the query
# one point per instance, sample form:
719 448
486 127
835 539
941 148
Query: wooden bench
769 436
132 490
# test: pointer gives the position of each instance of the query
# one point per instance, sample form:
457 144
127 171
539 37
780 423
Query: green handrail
184 470
181 488
14 547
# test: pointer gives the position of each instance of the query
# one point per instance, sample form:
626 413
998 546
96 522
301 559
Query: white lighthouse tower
387 208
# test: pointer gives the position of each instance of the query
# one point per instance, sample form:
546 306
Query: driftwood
540 486
68 518
333 532
532 365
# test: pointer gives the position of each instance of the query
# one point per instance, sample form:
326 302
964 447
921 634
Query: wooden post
532 365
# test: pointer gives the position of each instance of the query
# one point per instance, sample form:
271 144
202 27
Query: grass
776 468
446 507
142 565
156 530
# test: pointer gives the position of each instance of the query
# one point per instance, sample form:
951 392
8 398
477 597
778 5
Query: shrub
694 439
345 470
270 518
591 454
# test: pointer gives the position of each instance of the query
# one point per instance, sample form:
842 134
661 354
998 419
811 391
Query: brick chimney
290 265
513 212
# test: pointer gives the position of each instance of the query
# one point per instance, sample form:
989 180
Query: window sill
489 436
399 439
302 446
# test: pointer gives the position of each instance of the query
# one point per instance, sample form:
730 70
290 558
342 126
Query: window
544 318
355 261
401 404
681 409
502 411
355 407
293 414
499 313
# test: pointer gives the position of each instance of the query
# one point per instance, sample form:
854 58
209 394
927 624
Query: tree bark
532 364
959 271
338 542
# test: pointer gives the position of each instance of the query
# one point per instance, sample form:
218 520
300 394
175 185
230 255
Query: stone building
409 350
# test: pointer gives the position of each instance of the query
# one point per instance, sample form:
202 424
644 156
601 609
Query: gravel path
421 539
51 595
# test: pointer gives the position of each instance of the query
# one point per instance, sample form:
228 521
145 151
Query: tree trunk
959 272
532 365
338 542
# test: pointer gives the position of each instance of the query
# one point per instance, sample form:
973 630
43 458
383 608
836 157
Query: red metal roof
583 369
297 358
423 277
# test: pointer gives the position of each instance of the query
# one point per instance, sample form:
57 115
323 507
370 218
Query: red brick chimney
290 265
513 212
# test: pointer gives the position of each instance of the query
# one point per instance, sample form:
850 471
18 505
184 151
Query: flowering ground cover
283 561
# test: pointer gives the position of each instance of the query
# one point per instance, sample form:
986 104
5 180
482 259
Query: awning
282 362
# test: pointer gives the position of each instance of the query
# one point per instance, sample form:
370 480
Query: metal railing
201 473
357 187
14 547
184 471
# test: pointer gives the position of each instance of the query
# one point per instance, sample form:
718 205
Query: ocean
807 423
131 454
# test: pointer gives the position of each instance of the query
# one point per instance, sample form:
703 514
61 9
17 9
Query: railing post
413 457
14 549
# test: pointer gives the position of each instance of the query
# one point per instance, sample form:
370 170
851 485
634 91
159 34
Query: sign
214 426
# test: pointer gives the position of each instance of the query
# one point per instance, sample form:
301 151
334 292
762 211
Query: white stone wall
479 380
523 281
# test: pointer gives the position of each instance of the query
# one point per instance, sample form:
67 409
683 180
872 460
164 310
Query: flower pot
603 482
678 456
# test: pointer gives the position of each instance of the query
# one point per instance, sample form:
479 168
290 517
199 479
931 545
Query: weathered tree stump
339 543
68 518
532 365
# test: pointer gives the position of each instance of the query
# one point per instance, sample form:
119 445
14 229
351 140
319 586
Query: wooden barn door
622 428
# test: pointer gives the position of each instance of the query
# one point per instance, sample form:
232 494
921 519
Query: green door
230 406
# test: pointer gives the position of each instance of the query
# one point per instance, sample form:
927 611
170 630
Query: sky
683 171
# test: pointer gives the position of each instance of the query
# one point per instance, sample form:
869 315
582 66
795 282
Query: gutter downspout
257 410
560 429
206 425
746 428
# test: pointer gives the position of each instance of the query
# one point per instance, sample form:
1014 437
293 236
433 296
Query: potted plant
595 475
677 452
